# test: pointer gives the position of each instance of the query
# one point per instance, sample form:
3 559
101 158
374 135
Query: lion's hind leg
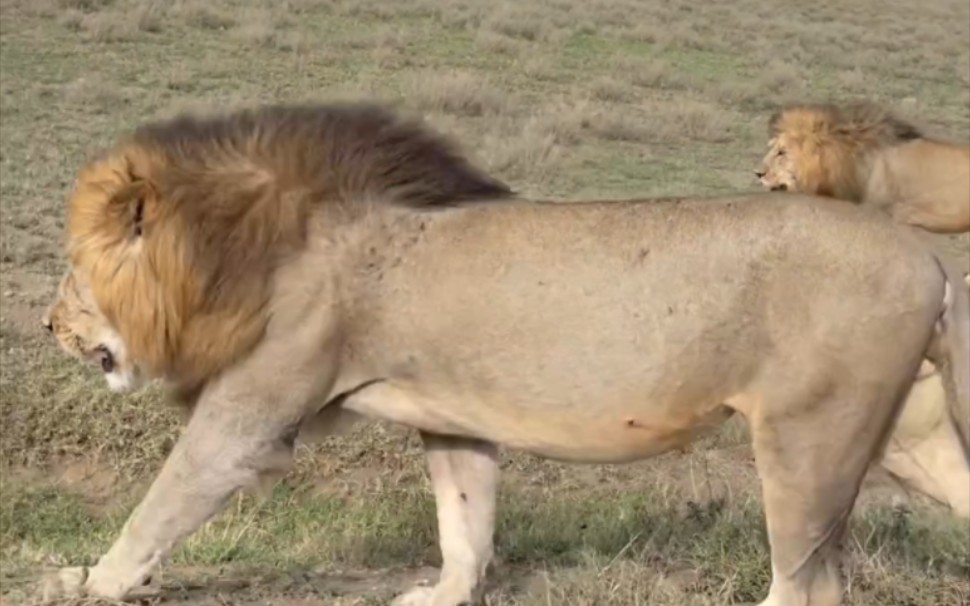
464 476
812 454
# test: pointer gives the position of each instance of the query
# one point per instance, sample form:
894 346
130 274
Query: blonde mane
832 143
191 215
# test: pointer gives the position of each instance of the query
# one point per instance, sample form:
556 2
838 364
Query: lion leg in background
925 452
810 485
464 476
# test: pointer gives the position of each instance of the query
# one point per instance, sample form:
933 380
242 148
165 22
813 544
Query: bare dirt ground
561 98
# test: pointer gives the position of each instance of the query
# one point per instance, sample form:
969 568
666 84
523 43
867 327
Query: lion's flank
862 122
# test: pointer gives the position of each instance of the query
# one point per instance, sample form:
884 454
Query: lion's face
777 169
84 332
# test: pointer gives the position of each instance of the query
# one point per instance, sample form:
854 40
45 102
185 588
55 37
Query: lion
286 267
862 153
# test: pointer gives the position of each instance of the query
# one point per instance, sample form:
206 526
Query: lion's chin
123 381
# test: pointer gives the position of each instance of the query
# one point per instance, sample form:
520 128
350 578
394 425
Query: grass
715 550
563 98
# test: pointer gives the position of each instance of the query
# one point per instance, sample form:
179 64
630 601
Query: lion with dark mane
289 267
863 153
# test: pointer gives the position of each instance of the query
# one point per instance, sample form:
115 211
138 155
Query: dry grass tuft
455 92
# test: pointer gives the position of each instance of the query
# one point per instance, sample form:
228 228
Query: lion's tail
950 350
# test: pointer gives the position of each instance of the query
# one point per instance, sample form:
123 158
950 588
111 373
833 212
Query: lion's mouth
105 358
779 187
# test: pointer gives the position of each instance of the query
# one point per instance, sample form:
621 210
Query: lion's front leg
464 475
242 431
220 453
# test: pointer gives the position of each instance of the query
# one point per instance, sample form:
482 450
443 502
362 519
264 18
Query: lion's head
174 235
824 149
83 332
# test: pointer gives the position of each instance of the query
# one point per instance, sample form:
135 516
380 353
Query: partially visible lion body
925 451
863 154
287 267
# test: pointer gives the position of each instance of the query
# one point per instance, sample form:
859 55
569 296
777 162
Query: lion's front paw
65 583
416 596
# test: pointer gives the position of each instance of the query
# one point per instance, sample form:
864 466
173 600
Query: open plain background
565 98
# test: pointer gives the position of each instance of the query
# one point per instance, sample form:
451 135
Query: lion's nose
760 173
47 324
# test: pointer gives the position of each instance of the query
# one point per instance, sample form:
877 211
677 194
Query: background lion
863 153
287 266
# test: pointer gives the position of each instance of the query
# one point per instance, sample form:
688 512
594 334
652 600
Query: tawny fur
863 153
283 288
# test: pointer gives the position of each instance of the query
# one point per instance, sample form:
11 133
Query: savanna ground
567 98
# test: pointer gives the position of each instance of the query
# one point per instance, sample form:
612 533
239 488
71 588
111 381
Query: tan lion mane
864 153
240 190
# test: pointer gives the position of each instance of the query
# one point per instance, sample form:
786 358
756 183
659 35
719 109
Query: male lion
286 266
862 153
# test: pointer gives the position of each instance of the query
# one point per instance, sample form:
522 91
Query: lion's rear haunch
180 224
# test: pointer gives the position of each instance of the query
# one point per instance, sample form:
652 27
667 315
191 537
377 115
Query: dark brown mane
861 121
340 152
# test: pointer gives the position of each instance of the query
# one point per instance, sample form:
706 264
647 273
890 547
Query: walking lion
288 265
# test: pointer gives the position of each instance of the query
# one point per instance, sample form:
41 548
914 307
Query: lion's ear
133 206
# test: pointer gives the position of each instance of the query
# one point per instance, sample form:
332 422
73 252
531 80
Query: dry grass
562 98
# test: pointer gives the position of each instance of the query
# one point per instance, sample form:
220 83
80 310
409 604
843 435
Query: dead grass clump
853 81
567 122
257 33
620 126
611 90
516 24
85 6
521 152
103 27
779 76
496 43
149 17
206 18
650 73
670 121
94 94
388 51
540 67
455 92
692 121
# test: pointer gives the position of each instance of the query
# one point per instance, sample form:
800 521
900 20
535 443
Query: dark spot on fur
464 497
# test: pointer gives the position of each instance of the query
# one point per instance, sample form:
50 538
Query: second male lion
862 153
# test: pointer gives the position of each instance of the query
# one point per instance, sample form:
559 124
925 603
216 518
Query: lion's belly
600 432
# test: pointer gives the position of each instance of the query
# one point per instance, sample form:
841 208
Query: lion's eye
781 152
